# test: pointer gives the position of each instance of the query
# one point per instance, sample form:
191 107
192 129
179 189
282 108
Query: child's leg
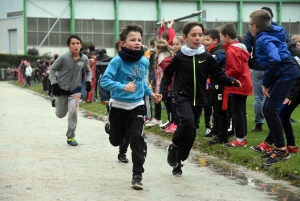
286 122
168 109
271 108
117 131
73 106
238 109
138 145
185 148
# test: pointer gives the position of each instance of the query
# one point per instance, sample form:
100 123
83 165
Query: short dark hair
128 29
261 18
91 47
189 25
269 10
73 36
213 33
230 30
165 35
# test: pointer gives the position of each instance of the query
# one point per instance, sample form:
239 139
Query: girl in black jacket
192 66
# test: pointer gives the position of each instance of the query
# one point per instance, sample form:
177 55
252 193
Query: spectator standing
237 59
281 73
28 73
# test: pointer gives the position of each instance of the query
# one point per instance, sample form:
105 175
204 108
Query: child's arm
171 32
294 93
218 74
87 71
271 52
108 81
54 67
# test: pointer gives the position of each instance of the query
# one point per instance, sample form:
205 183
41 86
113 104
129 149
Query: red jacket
171 34
237 67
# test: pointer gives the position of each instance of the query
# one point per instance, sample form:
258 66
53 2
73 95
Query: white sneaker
165 124
208 130
153 122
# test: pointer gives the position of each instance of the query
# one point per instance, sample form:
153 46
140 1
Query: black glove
88 86
56 90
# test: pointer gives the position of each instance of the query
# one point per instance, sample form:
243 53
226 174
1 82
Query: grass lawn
238 155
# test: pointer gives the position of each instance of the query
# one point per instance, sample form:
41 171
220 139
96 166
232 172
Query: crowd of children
202 70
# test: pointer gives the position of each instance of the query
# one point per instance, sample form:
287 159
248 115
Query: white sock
240 139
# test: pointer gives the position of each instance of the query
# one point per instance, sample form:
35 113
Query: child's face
176 45
194 38
93 56
208 41
253 28
75 46
225 39
297 43
133 41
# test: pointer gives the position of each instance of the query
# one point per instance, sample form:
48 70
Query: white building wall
291 12
8 6
172 10
48 9
215 12
248 8
6 25
137 10
14 5
94 9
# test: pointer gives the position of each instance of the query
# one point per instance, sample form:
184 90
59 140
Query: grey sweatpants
65 104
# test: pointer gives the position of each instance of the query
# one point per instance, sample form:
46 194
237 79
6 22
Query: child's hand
162 22
237 83
287 101
266 91
130 87
170 24
156 98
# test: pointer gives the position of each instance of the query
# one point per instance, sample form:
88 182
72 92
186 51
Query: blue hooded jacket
273 56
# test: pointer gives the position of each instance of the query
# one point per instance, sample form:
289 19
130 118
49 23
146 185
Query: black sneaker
172 155
136 182
210 134
217 140
164 126
122 158
277 156
177 170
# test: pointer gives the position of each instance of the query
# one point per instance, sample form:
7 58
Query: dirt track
37 164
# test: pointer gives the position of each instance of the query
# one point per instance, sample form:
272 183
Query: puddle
278 191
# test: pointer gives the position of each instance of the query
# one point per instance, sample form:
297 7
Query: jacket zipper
194 68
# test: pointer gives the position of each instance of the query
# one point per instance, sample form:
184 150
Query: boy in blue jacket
281 73
125 79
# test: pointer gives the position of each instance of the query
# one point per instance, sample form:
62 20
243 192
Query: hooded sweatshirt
273 56
237 67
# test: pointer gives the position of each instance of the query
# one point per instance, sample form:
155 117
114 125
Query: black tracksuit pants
220 125
130 123
185 134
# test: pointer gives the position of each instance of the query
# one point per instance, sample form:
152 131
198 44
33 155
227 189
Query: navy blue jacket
273 56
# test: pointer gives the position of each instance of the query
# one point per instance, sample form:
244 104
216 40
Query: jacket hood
276 31
235 44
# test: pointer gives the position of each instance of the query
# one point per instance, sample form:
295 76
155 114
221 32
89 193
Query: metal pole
117 25
25 25
72 18
183 17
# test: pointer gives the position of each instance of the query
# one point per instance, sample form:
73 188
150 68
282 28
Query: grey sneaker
136 182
